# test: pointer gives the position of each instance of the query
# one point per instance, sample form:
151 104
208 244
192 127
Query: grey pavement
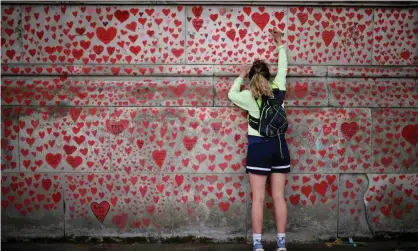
381 246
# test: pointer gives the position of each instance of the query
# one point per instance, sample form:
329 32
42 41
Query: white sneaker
258 247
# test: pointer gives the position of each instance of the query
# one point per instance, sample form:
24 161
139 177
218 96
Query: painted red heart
410 134
122 16
120 220
53 159
231 34
349 129
117 127
56 197
294 199
260 20
159 157
100 210
321 188
301 89
177 52
46 184
224 206
74 161
197 23
306 190
197 11
303 17
106 35
328 36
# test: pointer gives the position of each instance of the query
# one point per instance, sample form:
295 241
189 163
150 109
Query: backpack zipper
283 123
266 112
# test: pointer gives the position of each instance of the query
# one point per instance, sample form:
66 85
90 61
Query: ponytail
260 86
259 83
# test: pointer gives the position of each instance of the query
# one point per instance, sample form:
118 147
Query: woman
266 156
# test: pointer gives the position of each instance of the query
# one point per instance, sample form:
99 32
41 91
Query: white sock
256 238
281 238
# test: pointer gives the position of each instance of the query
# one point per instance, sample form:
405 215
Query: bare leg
278 182
258 188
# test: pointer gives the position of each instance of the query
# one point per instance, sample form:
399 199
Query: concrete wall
116 122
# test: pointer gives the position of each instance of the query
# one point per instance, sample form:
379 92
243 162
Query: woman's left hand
244 70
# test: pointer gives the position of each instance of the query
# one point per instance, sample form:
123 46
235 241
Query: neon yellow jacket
245 99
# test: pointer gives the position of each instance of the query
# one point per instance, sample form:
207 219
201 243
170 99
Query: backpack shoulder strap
252 121
256 101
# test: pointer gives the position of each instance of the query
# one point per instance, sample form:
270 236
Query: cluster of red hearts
373 92
391 197
395 140
99 34
139 201
78 91
135 140
300 92
164 138
211 34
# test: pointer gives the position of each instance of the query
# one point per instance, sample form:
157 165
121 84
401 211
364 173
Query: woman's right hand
277 34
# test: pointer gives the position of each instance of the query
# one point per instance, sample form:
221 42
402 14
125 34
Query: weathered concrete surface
395 138
329 140
372 92
325 36
32 205
305 193
110 70
57 139
185 140
159 205
352 220
111 91
127 106
9 140
396 36
207 39
391 202
300 91
372 71
293 70
378 246
170 49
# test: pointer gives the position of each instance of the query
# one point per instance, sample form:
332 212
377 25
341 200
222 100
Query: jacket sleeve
280 79
238 97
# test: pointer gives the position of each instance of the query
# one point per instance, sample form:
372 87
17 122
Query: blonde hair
260 86
259 80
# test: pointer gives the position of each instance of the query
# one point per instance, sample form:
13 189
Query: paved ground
381 246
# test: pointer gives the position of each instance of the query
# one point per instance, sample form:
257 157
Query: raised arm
238 97
280 79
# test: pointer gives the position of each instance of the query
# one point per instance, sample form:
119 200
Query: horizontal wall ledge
108 91
157 91
372 71
146 70
201 70
372 92
233 2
